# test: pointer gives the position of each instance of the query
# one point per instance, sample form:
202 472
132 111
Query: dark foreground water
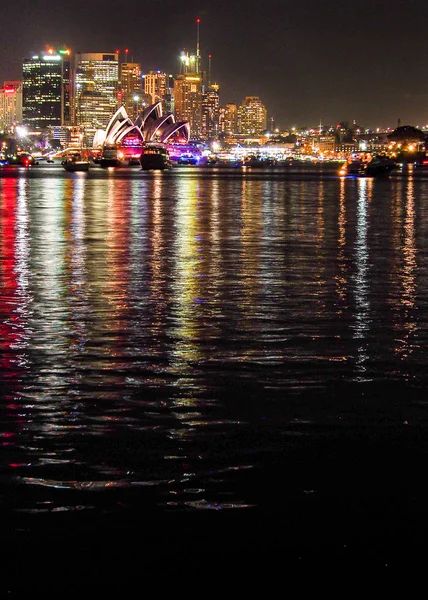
211 372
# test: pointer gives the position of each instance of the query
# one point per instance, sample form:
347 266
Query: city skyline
308 63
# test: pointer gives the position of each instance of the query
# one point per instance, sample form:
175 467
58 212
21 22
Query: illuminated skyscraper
156 85
46 89
188 101
10 104
188 91
131 87
252 116
228 119
96 89
210 112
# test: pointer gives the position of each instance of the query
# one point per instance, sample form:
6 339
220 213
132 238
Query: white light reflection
78 260
78 233
361 287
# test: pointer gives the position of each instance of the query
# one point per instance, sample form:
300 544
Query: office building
210 113
10 104
46 90
156 85
96 91
228 119
131 87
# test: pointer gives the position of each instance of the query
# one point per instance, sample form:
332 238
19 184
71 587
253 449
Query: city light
21 131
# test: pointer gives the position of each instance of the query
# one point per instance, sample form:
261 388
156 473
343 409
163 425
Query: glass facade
43 91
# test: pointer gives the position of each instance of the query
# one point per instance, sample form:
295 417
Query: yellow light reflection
188 273
342 279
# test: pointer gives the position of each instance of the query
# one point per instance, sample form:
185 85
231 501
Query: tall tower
228 119
131 86
211 112
46 90
198 52
96 89
188 90
156 85
10 103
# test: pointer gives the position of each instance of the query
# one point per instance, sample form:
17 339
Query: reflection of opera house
123 140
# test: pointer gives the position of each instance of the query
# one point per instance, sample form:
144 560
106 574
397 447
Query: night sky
308 60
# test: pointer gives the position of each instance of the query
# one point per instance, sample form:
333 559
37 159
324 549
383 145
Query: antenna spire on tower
198 53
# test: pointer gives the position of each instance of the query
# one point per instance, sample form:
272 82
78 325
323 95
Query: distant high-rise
46 90
210 112
10 104
156 85
228 119
252 116
188 90
96 89
131 87
188 101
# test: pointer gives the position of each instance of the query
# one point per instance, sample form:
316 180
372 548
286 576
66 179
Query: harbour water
210 369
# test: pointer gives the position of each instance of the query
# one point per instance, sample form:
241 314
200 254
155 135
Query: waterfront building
96 90
10 104
123 140
131 87
344 149
252 116
210 113
46 90
67 136
325 144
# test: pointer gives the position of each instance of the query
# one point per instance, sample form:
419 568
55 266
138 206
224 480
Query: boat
155 157
110 156
76 161
258 161
367 166
188 159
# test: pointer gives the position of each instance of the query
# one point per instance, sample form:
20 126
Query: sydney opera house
123 140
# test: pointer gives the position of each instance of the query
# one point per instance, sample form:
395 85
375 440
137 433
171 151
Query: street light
136 100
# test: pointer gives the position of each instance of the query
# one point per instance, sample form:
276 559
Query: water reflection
188 274
361 281
148 323
408 275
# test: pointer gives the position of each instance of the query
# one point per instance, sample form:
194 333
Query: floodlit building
96 90
156 85
131 87
188 101
252 116
228 119
210 113
10 104
124 138
46 90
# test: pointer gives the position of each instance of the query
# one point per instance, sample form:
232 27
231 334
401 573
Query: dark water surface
211 371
